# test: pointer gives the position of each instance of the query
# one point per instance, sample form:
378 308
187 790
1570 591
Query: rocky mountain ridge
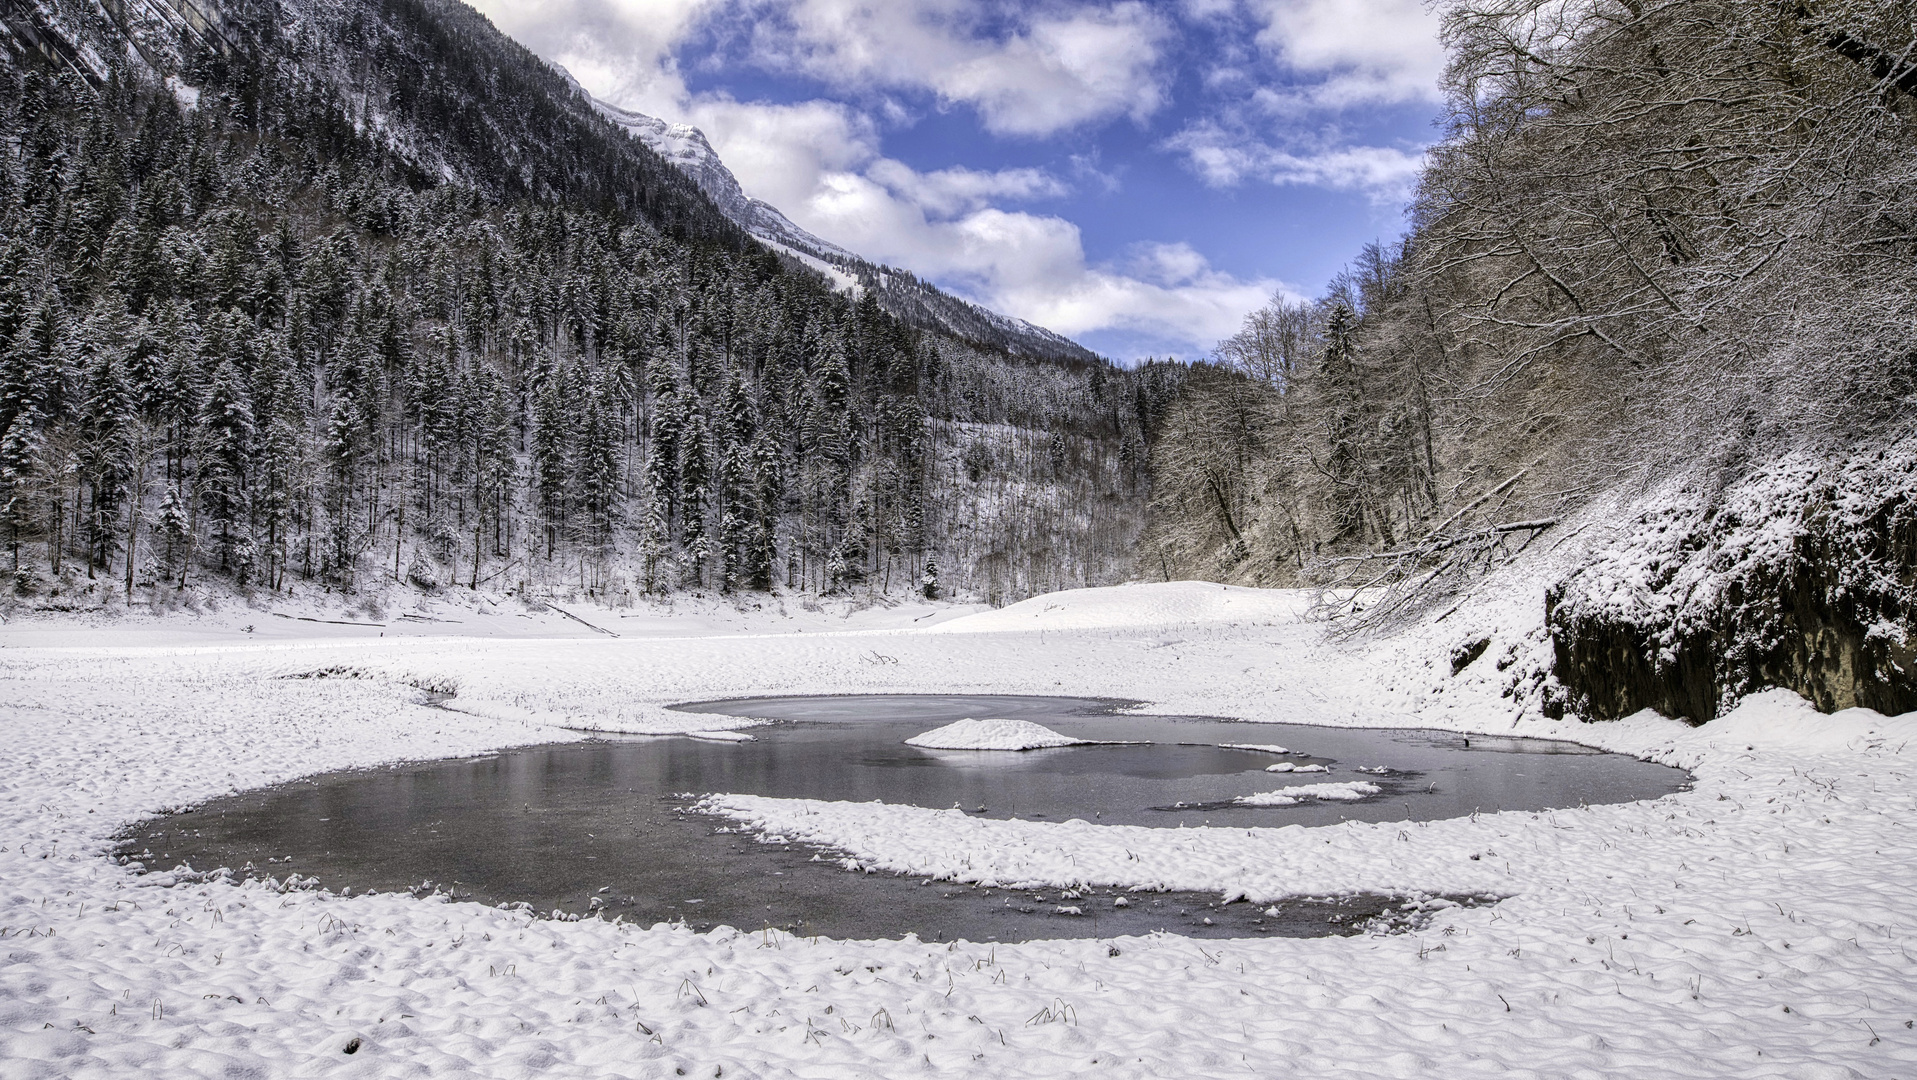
901 293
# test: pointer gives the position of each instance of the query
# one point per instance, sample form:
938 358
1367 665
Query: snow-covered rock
1797 575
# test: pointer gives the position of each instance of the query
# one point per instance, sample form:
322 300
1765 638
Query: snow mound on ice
970 734
1287 766
1264 748
1144 604
1347 791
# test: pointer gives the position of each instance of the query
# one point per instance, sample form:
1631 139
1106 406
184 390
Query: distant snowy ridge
686 148
899 292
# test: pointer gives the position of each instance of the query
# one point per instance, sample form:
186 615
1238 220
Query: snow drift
970 734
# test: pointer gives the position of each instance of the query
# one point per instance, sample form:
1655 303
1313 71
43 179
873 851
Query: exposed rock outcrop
1803 575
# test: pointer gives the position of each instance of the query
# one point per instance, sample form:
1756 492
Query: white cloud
1039 76
1224 159
1385 172
1329 58
949 192
1025 74
1355 52
1035 267
621 50
1166 292
1086 171
781 153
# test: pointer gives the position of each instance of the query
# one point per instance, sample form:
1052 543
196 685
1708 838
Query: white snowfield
1195 606
970 734
1757 925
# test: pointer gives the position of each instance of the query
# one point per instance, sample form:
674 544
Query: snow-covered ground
1756 925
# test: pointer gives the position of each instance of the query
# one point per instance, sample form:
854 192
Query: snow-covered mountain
899 292
687 149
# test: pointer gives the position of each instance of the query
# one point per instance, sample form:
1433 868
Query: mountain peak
687 149
899 292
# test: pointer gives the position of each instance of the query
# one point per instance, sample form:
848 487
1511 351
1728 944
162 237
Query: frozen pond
602 824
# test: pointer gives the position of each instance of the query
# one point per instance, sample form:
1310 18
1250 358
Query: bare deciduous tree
1655 234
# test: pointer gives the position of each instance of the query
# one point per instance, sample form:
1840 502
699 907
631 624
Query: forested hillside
349 294
1661 249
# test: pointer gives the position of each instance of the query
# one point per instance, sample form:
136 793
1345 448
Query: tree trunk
133 513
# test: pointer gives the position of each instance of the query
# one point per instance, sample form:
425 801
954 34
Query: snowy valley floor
1757 925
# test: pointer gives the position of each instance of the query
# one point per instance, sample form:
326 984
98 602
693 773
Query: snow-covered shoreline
1650 939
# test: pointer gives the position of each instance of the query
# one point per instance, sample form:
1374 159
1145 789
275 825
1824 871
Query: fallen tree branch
579 620
1398 583
1538 525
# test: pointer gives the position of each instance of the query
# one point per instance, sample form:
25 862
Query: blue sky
1135 175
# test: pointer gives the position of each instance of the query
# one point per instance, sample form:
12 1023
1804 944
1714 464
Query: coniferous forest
342 296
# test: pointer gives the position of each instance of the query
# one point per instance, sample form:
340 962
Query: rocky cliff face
1802 576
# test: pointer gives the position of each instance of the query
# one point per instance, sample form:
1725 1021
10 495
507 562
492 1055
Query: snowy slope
1182 603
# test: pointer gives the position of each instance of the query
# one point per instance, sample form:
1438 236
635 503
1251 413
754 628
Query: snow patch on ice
1263 748
1344 791
992 734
